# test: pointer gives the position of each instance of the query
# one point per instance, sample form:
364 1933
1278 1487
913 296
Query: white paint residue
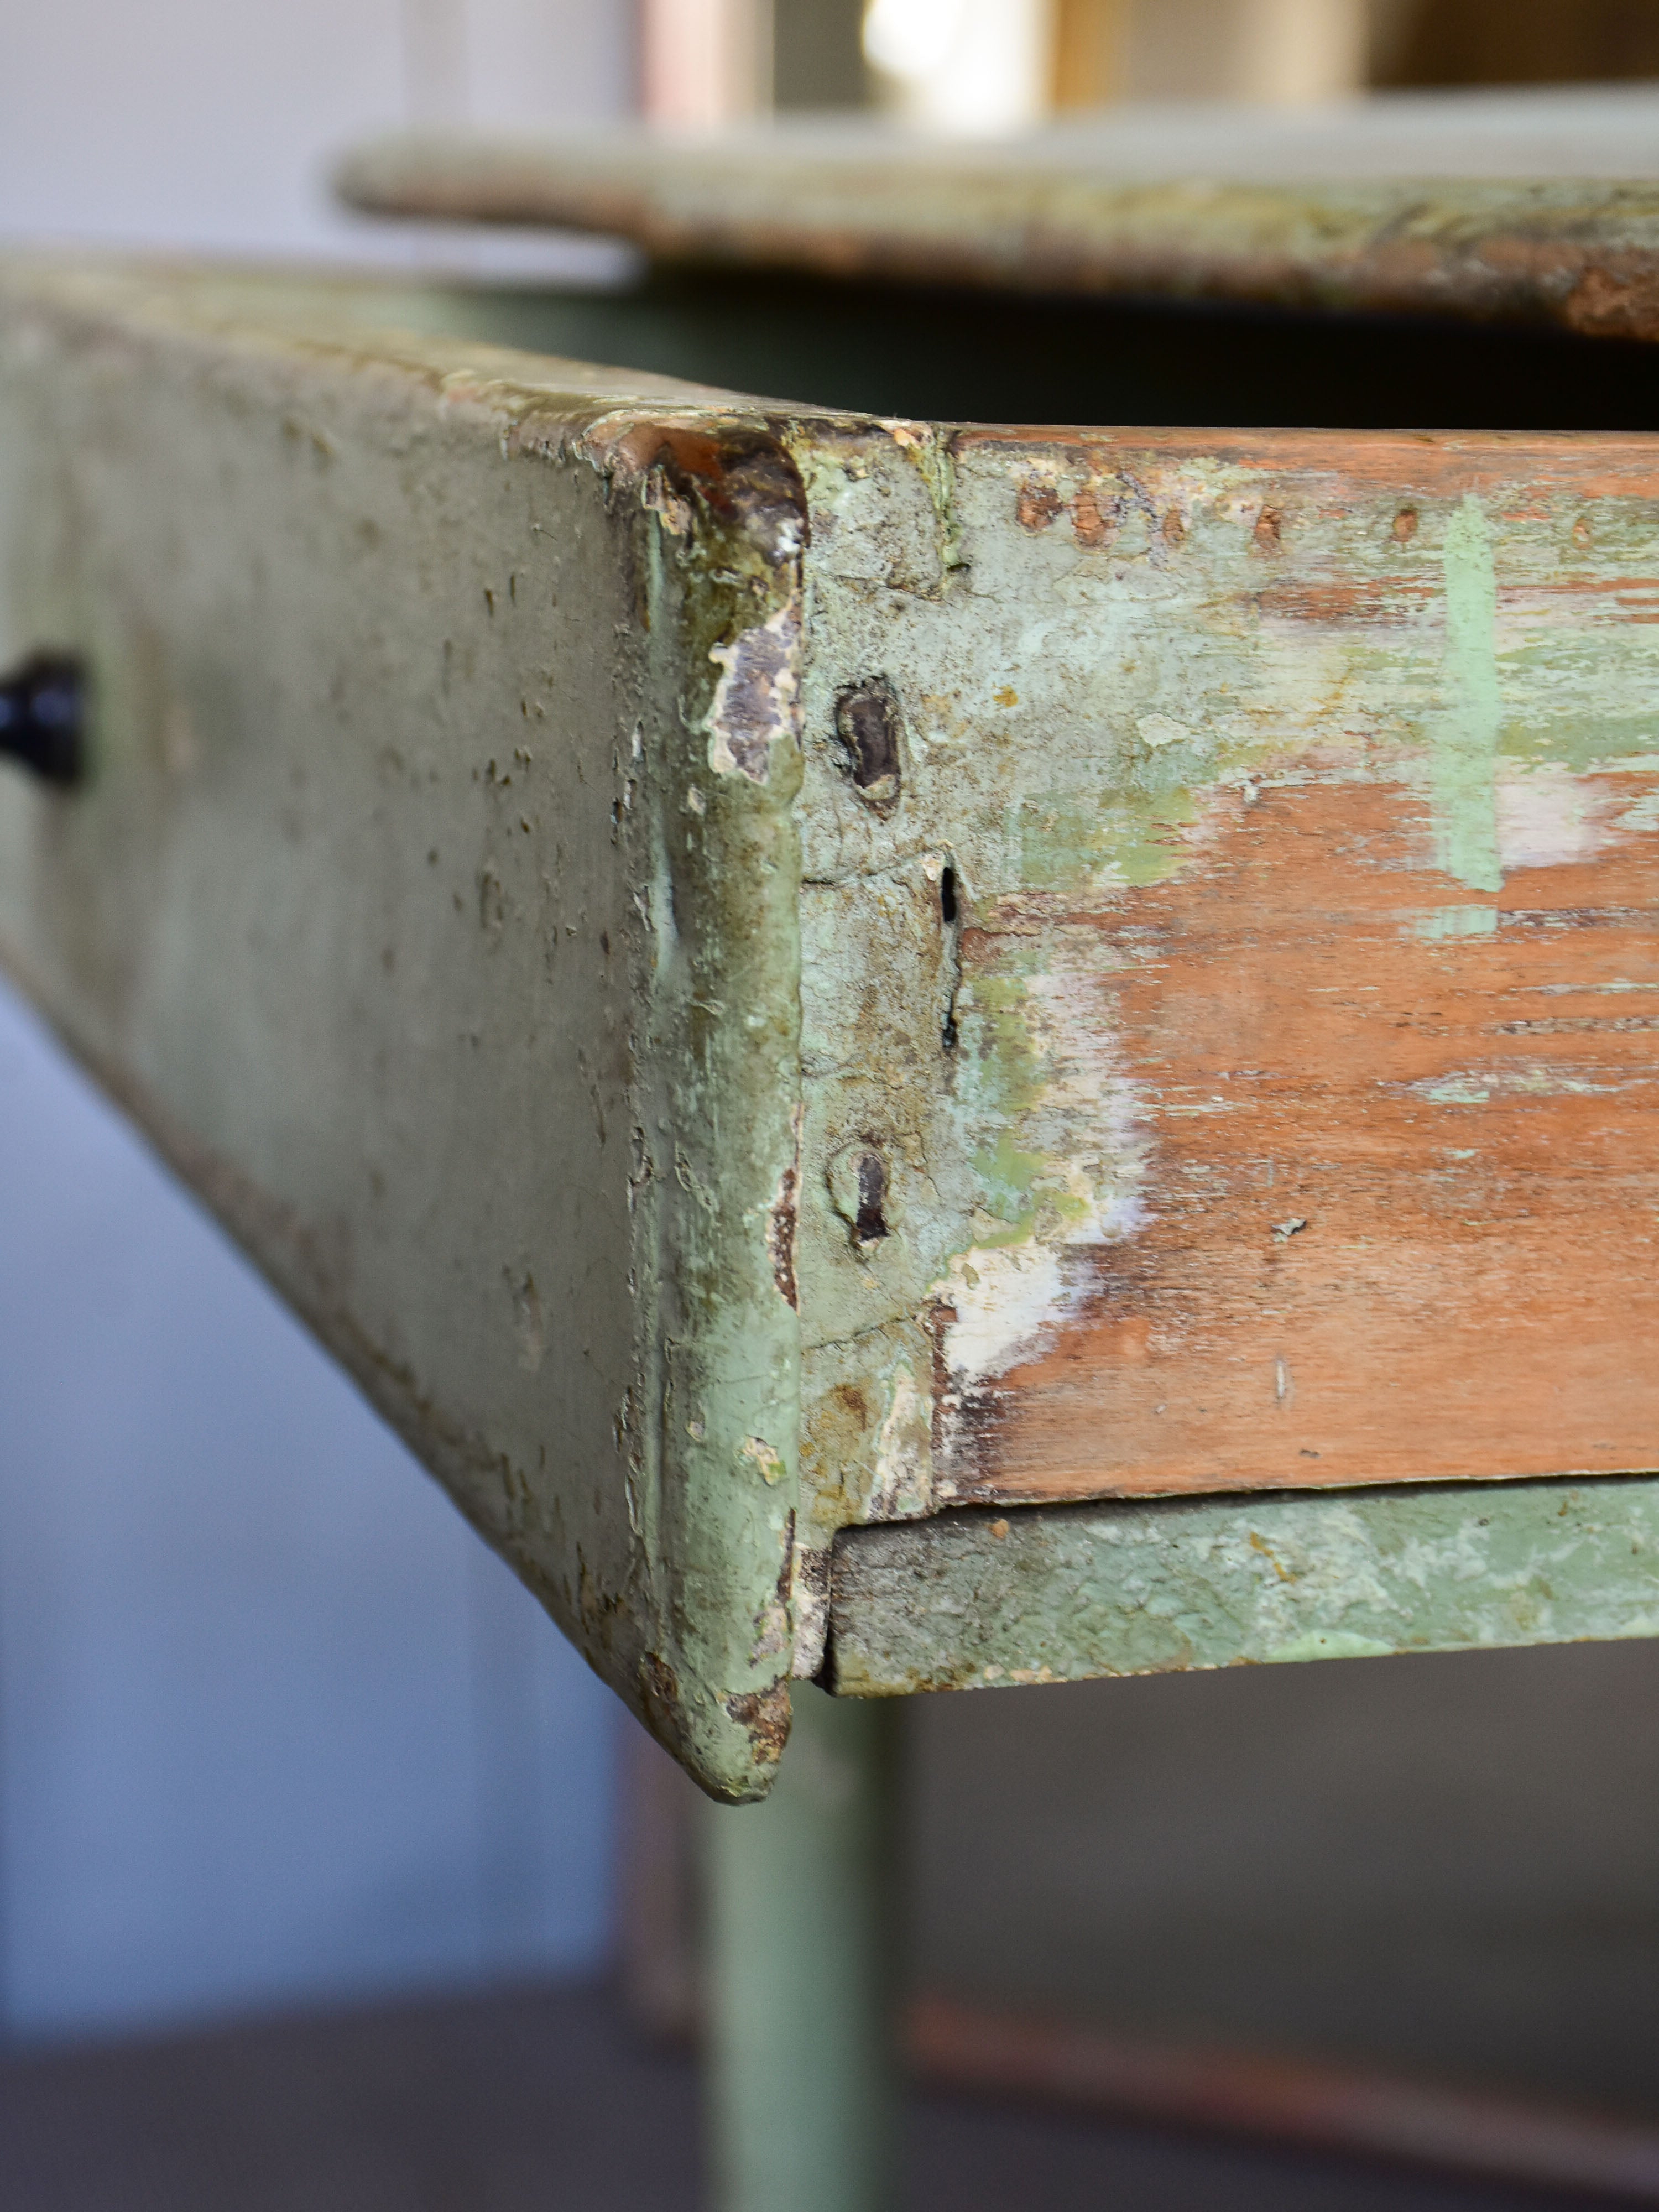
1547 816
902 1488
1643 816
1474 1086
811 1603
1088 1128
1005 1298
1160 730
1465 1555
758 697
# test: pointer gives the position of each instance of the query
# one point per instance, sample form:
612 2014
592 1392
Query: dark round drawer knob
43 717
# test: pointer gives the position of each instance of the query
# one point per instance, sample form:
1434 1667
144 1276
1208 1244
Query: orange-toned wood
1303 804
1401 1188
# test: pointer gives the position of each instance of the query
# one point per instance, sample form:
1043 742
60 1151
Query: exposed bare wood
1247 996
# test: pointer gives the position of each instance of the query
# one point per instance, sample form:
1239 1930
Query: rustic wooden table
911 1056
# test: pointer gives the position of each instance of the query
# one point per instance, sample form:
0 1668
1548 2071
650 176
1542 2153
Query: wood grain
1287 1117
1399 1183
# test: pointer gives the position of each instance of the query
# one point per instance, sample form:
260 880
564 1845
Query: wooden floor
538 2100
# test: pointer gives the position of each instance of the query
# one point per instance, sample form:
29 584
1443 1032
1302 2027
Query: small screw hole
871 1224
867 724
950 909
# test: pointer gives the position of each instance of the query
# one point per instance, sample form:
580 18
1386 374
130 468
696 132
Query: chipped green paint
1145 845
721 524
974 1600
443 820
1145 628
1443 925
1465 738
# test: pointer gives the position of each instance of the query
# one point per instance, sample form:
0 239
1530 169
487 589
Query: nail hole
950 908
868 724
871 1224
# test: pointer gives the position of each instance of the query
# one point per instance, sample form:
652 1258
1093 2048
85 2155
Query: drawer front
1247 980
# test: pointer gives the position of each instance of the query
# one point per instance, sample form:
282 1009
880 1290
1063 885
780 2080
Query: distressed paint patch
1476 1086
967 1601
1445 925
1296 829
766 1459
1327 1644
756 701
996 1302
1278 1022
1059 1135
782 1225
1549 817
1464 739
811 1605
903 1479
1156 731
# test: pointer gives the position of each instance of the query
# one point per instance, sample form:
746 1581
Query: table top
1528 207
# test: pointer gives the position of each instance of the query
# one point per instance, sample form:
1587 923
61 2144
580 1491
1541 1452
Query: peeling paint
1209 805
1465 740
766 1459
754 705
426 1008
1059 1136
902 1486
969 1602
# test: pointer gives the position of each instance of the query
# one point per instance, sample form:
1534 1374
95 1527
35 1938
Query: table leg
802 2076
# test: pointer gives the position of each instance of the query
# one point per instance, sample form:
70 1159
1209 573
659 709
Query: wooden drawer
756 971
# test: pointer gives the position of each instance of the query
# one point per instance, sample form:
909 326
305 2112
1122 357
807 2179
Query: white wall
273 1725
211 122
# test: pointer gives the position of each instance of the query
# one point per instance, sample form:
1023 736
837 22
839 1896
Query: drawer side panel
410 909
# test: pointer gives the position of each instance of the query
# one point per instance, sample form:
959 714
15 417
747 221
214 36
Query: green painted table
912 1052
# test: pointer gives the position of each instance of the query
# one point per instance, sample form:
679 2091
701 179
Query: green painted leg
803 2085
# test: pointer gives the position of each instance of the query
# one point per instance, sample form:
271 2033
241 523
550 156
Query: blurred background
276 1734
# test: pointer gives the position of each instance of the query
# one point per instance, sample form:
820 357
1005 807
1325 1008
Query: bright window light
912 38
979 65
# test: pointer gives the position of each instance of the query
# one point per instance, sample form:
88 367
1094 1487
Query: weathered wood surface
432 904
1012 965
1526 208
978 1600
1274 868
